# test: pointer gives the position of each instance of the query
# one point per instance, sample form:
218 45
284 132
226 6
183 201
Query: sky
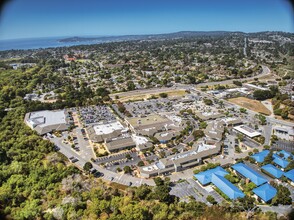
48 18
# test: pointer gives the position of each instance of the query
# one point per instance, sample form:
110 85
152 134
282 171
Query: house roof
273 170
266 192
226 187
290 175
249 173
259 157
205 176
279 161
286 154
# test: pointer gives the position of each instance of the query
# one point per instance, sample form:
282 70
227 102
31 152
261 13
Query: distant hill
149 36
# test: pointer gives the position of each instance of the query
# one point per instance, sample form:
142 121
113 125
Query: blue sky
46 18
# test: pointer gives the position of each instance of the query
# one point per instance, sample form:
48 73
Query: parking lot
184 190
113 162
94 114
149 106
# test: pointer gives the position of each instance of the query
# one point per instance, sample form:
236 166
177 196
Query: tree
203 125
127 169
269 158
101 91
163 95
262 119
290 166
283 195
245 204
161 193
142 192
243 110
87 166
198 134
207 101
211 199
262 94
140 163
158 181
237 83
266 147
130 85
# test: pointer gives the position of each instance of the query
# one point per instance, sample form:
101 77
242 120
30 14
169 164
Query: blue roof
226 187
273 170
286 154
266 192
259 157
279 161
290 175
249 173
205 176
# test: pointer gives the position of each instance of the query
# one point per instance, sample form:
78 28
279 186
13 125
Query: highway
265 71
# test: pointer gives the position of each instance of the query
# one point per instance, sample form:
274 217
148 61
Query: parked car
75 160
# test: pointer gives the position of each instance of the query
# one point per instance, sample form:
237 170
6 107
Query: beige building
47 121
181 161
121 143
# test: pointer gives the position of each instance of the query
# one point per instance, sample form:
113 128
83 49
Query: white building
247 131
47 121
284 132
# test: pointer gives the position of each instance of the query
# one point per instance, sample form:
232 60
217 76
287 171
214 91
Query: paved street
204 191
265 71
86 150
108 175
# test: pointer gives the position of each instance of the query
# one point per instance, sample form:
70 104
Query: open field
253 105
134 97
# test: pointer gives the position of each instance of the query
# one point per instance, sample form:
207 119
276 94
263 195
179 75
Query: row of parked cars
96 173
73 159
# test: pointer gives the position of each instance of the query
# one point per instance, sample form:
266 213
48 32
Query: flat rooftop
47 118
108 128
148 120
247 131
139 140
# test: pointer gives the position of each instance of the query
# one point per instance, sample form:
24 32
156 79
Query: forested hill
148 36
38 183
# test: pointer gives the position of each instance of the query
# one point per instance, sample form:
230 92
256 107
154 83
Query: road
265 71
124 178
108 175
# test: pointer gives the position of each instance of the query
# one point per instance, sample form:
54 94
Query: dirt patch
139 97
250 104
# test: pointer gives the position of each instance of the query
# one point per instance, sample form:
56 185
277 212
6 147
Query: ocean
36 43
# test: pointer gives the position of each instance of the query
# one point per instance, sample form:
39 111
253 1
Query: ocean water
36 43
